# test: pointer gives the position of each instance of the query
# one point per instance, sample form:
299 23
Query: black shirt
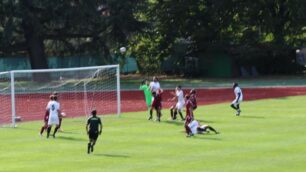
93 123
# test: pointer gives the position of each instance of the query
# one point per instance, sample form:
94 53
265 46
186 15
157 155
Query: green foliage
150 28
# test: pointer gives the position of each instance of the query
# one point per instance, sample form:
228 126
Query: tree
61 27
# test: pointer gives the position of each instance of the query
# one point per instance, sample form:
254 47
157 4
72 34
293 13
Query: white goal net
24 94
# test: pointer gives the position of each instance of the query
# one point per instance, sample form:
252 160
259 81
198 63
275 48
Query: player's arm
238 97
101 126
87 127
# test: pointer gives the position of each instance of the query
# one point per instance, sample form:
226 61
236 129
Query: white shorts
235 102
53 120
179 105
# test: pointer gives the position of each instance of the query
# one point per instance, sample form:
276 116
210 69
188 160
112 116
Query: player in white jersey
197 128
179 95
54 111
154 85
238 98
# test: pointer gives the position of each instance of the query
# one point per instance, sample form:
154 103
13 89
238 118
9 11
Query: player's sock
55 130
212 129
151 114
233 106
88 148
92 147
181 116
48 131
42 130
174 114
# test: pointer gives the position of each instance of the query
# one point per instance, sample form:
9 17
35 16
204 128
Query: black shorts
93 135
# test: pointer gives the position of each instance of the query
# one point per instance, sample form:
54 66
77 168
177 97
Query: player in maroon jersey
193 98
189 115
157 104
46 118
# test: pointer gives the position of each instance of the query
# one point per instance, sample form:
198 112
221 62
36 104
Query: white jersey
237 90
180 96
180 99
154 86
53 108
194 126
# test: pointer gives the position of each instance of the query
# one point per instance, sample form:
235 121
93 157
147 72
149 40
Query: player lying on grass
157 104
147 93
238 99
177 108
197 128
54 112
93 129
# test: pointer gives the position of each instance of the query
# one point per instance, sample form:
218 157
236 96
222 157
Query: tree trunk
36 50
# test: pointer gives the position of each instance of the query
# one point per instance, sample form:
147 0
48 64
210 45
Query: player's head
178 87
94 112
54 97
155 79
51 97
192 91
235 84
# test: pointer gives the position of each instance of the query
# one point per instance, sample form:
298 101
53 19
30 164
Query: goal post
24 94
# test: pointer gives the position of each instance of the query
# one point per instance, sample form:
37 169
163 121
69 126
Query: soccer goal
24 94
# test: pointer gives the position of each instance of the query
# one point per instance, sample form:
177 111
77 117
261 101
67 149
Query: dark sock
171 112
48 131
88 148
55 130
233 106
181 115
174 114
42 130
212 129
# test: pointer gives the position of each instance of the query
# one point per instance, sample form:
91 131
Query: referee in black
94 129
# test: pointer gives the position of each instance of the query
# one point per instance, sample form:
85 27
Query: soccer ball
122 50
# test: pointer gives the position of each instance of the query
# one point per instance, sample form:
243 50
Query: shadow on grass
112 155
70 138
206 137
255 117
178 123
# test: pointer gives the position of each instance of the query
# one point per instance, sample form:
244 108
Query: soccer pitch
268 136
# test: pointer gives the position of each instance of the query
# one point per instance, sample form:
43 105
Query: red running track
32 106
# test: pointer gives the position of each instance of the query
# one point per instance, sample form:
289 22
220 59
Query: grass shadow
112 155
178 123
70 138
255 117
205 137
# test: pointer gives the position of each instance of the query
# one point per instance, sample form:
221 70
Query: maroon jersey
193 99
189 106
46 117
157 101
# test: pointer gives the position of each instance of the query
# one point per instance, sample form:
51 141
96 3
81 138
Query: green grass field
269 136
